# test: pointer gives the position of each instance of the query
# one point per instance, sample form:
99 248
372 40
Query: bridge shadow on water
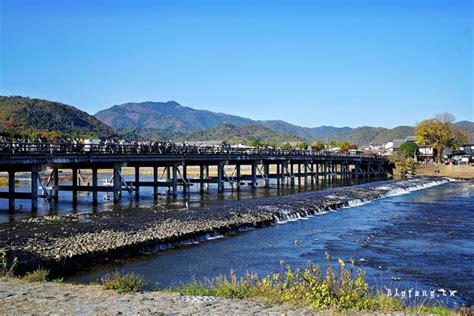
192 198
164 201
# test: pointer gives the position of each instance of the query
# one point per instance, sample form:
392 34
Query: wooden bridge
172 162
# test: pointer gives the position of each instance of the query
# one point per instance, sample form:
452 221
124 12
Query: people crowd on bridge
119 147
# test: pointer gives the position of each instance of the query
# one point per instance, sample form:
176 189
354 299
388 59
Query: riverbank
450 171
20 297
67 244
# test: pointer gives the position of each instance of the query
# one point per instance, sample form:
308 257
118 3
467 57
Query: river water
65 205
422 240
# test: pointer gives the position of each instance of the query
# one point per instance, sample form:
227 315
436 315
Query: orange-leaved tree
440 133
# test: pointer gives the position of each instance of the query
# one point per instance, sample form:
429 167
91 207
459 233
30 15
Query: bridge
170 164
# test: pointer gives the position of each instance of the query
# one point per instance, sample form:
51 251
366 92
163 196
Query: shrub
7 268
38 275
337 288
123 282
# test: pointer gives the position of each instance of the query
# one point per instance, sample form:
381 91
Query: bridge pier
266 174
292 174
316 173
254 175
137 183
201 179
155 183
55 175
94 186
116 184
325 167
74 185
278 174
238 175
34 190
220 178
356 170
11 190
175 181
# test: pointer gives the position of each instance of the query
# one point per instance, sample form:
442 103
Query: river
421 240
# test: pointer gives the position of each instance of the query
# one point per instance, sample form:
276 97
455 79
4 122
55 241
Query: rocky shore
67 244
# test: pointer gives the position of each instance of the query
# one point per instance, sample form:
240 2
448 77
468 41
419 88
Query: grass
7 268
339 288
342 288
38 275
123 282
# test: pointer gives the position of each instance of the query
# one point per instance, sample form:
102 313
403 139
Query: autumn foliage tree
440 133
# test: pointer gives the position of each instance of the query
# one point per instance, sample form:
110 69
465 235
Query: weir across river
172 162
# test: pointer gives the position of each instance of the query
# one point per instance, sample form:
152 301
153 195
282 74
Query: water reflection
65 205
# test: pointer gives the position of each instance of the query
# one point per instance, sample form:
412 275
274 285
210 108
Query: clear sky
311 63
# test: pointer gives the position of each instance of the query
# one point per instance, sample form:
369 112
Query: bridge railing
17 148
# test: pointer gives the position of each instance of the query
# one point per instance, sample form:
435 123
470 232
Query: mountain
147 133
169 120
468 127
322 132
22 115
232 134
139 118
165 115
367 135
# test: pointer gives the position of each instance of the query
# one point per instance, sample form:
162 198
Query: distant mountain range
165 115
171 121
241 134
172 116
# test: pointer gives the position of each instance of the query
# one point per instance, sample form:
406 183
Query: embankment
67 244
451 171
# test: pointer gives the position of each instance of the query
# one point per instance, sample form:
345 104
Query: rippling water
422 239
84 204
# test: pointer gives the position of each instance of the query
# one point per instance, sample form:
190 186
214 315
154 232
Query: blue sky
312 63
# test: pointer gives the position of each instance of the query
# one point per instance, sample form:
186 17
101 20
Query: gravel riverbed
19 297
69 243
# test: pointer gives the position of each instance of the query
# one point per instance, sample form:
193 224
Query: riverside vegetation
340 288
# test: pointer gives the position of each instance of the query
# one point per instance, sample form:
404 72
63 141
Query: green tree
302 145
408 149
